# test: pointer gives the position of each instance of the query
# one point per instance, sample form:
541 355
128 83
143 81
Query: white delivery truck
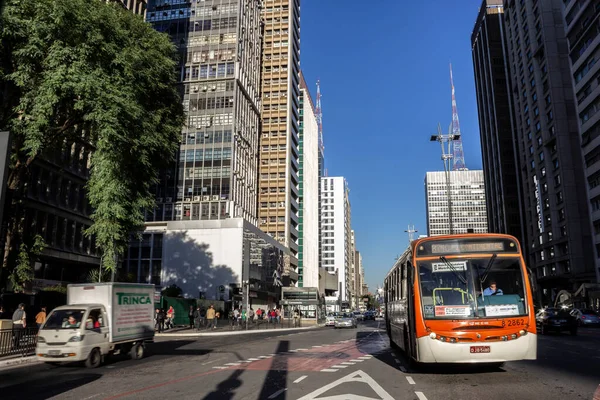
100 319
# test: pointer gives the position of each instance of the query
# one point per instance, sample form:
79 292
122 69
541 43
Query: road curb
15 362
235 333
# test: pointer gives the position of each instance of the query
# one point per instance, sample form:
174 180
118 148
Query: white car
330 321
345 320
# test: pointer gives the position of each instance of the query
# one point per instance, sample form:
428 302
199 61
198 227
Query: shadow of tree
189 265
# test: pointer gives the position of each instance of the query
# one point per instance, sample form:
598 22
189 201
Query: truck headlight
41 339
78 338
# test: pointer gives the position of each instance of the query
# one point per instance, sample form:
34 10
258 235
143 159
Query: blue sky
383 66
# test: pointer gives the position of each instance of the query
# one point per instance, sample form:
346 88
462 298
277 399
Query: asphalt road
316 364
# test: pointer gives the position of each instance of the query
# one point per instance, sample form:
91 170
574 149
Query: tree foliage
22 274
89 73
172 291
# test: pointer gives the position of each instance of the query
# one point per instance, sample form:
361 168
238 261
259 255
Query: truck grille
56 343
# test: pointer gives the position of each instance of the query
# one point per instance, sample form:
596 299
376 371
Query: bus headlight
513 336
443 339
452 340
522 332
432 335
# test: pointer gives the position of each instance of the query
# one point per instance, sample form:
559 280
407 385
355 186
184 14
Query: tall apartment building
336 232
468 206
358 278
135 6
492 86
279 167
308 176
553 186
352 271
584 49
216 174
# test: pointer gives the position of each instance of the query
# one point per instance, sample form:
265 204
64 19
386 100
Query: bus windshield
472 288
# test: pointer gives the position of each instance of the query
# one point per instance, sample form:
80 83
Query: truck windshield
472 288
64 319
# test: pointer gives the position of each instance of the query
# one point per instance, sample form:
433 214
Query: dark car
370 315
555 320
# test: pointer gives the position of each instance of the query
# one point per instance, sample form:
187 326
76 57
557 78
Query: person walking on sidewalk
40 318
19 324
217 316
191 317
197 320
170 318
210 317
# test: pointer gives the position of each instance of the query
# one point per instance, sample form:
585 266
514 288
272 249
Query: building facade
308 187
358 278
553 186
135 6
498 147
584 49
279 165
336 232
467 194
215 176
207 259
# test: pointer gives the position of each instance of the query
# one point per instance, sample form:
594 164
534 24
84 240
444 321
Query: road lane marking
277 393
219 367
365 357
410 380
357 377
329 370
357 360
235 363
339 366
317 346
263 357
347 363
300 379
420 396
253 359
301 349
293 351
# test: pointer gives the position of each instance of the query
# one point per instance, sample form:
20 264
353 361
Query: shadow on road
226 388
276 379
41 389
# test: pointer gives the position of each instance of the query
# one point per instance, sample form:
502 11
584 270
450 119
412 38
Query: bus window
472 288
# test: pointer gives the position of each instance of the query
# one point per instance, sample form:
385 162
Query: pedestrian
170 317
210 317
19 319
160 320
191 317
217 316
40 318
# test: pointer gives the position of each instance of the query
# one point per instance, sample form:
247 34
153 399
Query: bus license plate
480 349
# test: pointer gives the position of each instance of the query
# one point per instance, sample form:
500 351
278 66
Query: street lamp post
446 159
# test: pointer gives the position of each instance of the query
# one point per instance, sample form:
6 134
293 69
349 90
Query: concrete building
554 190
467 191
336 233
308 176
279 165
135 6
498 147
216 174
358 278
583 38
352 293
207 259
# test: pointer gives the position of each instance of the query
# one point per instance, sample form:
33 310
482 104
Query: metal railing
18 342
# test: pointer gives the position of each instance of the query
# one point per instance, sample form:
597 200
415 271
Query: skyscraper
492 86
336 232
468 202
216 174
308 226
583 50
553 186
280 91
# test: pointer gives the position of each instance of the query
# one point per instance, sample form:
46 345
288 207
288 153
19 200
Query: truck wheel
137 351
94 359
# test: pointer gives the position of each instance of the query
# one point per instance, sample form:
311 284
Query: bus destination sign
458 246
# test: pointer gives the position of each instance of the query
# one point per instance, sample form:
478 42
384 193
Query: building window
541 155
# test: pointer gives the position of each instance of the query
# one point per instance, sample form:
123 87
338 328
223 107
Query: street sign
358 376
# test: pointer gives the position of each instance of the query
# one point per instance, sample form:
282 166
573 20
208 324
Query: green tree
172 291
86 74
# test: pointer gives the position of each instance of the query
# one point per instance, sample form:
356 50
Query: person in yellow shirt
40 318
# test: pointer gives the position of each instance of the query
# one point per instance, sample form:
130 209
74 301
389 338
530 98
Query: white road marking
329 370
398 361
420 396
317 346
357 376
277 393
347 363
357 360
235 363
219 367
253 359
302 349
402 369
300 379
263 357
339 366
209 362
293 351
410 380
246 361
365 357
272 355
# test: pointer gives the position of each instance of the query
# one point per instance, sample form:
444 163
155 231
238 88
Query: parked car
359 316
586 317
345 320
555 320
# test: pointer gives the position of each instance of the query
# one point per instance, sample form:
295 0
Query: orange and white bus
461 299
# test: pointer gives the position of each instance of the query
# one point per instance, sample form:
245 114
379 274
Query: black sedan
555 320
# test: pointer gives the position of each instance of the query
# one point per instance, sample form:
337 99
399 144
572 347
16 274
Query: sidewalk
225 330
15 361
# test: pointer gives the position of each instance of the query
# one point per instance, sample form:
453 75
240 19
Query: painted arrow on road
358 376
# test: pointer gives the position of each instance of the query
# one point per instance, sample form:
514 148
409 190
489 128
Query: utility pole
446 141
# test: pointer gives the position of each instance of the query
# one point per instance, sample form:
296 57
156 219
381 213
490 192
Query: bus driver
492 290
